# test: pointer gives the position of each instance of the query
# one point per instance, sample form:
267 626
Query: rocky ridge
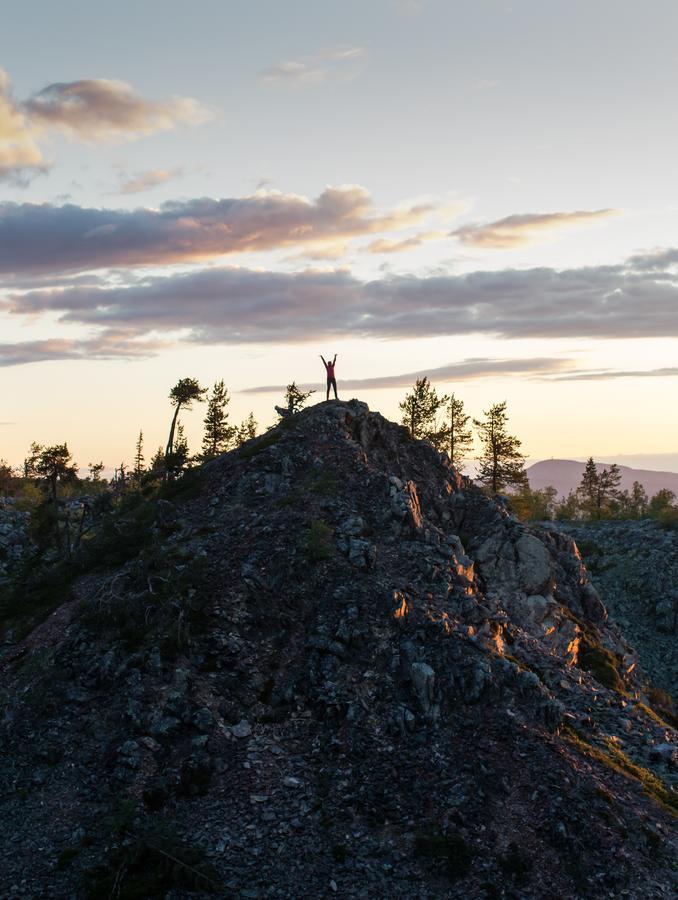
327 664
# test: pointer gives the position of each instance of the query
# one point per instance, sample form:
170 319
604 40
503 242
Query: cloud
386 245
518 230
609 374
102 347
43 237
20 157
466 370
103 109
239 305
336 63
144 181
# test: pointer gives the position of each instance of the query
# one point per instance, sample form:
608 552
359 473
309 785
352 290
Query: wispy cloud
43 237
103 109
528 228
105 346
387 245
466 370
337 63
611 374
144 181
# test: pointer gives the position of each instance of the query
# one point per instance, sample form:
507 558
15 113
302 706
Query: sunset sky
482 192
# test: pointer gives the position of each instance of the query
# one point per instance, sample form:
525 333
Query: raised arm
323 359
335 359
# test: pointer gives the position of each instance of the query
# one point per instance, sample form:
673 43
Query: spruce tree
599 490
219 434
246 430
501 463
420 408
589 487
178 458
139 467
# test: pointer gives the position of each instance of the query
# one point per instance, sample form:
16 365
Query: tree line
598 497
442 420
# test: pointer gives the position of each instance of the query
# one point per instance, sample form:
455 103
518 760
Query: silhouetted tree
30 461
182 396
501 463
95 470
51 467
54 466
455 436
177 460
246 430
139 467
294 400
420 408
158 462
219 434
7 478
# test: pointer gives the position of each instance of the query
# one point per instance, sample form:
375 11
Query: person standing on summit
331 380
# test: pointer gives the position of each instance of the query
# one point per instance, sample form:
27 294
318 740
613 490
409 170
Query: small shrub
662 705
258 446
601 663
317 543
668 518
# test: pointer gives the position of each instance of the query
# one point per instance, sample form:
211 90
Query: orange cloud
103 109
43 237
20 157
518 230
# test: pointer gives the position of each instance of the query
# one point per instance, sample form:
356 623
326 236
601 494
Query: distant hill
565 475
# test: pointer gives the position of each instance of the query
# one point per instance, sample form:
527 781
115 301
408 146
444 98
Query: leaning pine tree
501 463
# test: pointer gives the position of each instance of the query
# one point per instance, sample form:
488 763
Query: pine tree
219 434
176 461
501 463
182 396
295 399
158 462
599 490
589 487
139 467
455 437
246 430
420 408
95 470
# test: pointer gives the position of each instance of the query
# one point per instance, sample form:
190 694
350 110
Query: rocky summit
326 664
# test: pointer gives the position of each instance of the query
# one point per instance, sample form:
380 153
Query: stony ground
634 565
326 665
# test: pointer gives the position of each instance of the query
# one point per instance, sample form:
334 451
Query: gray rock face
633 566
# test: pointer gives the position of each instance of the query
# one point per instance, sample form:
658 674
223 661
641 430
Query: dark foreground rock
329 665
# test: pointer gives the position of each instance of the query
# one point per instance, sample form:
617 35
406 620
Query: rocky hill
327 664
